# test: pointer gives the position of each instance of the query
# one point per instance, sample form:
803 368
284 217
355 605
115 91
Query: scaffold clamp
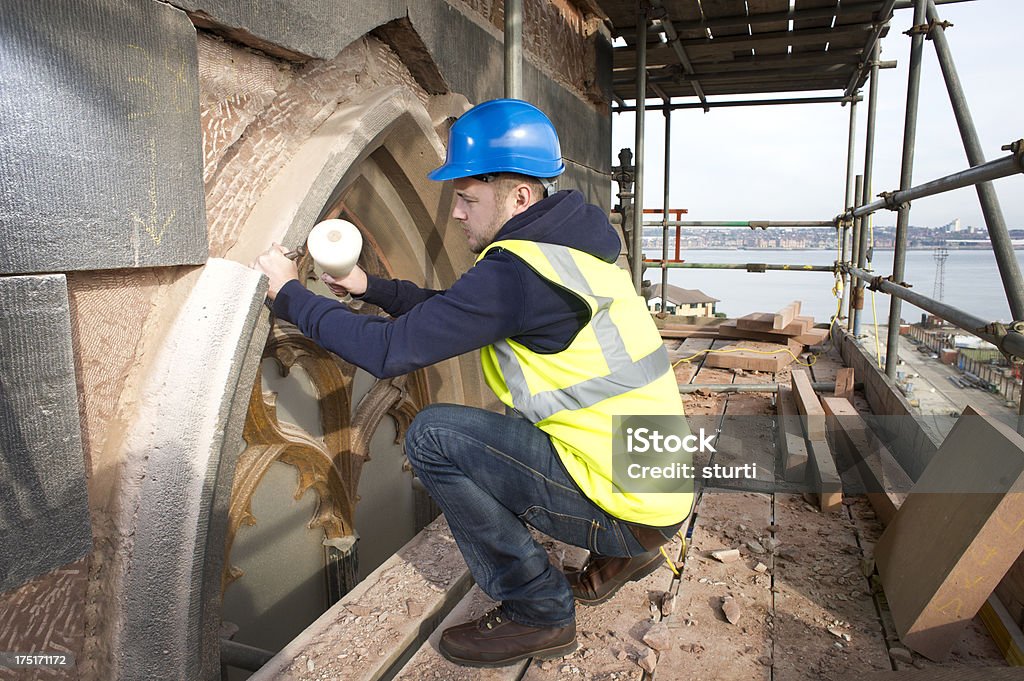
1017 149
926 29
899 283
890 201
998 331
755 224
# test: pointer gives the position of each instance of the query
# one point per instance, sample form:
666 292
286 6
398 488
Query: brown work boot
495 641
602 576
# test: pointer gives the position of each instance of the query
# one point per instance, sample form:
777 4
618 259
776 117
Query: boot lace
491 618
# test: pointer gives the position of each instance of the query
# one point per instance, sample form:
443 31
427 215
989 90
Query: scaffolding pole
677 46
1006 260
851 144
843 231
992 170
749 266
848 200
821 387
514 49
1020 408
636 253
664 231
242 656
909 4
1009 341
717 105
862 258
899 257
752 224
861 247
869 48
856 246
827 12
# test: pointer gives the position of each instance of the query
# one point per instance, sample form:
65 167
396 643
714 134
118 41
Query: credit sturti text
685 470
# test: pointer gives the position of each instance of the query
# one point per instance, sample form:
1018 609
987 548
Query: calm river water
972 282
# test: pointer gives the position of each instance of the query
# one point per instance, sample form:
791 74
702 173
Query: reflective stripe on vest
624 374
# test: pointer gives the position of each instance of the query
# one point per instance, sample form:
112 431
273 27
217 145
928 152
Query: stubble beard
487 237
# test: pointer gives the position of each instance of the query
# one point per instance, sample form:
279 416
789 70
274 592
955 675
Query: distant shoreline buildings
952 236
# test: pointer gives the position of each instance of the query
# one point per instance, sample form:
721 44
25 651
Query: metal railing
852 264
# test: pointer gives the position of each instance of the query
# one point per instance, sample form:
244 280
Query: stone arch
381 144
185 437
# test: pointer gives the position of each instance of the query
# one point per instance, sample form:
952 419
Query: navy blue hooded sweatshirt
499 297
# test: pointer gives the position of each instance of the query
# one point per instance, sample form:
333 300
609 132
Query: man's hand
279 269
354 283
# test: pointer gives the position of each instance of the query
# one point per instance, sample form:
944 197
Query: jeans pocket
563 527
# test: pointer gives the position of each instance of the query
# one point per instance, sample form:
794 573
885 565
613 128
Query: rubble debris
839 633
731 609
760 567
755 546
658 637
726 555
901 655
648 660
668 604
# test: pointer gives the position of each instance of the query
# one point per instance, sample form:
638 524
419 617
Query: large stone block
956 535
44 522
294 28
100 149
421 32
179 463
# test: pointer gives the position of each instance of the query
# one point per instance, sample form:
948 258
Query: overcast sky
789 162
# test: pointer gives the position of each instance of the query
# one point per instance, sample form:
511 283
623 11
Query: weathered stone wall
564 48
292 115
99 112
560 40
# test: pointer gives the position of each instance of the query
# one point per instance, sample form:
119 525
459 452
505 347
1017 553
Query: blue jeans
493 475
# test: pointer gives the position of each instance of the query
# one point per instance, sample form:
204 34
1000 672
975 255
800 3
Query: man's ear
524 197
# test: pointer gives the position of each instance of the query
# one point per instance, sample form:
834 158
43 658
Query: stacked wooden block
802 435
770 340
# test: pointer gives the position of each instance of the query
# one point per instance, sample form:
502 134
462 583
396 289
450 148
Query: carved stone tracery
331 465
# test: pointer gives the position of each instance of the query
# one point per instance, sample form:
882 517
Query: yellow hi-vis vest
616 365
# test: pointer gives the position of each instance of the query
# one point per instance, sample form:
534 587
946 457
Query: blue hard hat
502 136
